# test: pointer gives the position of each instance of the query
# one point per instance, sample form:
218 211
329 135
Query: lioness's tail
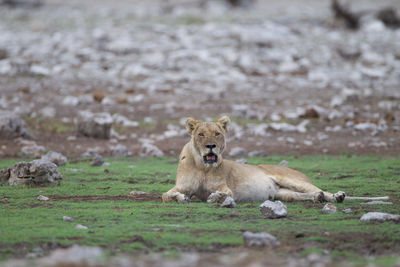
366 198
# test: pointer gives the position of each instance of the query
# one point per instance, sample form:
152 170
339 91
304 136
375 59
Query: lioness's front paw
217 197
178 197
181 198
319 197
339 196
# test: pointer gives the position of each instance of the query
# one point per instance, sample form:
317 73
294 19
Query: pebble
42 198
228 203
81 227
273 209
98 160
67 219
329 208
259 239
284 163
347 211
379 217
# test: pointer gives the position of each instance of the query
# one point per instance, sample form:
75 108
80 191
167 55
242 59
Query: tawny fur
246 183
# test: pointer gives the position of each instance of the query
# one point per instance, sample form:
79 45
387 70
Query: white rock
242 160
329 208
374 26
273 209
74 256
48 112
70 101
98 160
228 203
284 163
347 211
96 125
238 152
150 150
34 151
120 151
42 198
12 126
67 219
366 126
259 239
55 157
379 216
81 227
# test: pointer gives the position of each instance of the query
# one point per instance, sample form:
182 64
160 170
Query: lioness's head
208 139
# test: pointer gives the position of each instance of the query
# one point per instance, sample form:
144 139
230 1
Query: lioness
203 173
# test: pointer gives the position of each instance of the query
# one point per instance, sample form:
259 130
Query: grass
130 226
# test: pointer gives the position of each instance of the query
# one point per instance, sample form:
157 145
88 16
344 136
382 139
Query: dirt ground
270 67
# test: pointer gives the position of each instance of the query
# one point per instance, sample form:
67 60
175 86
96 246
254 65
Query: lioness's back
277 170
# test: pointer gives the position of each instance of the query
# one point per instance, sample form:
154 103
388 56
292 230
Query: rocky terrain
293 79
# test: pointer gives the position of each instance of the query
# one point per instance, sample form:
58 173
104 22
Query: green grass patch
125 225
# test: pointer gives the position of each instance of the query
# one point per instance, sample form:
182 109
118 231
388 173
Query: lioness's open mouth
210 158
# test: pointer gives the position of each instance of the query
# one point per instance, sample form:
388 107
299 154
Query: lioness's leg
289 195
175 195
305 187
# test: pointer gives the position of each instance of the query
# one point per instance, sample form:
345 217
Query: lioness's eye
217 133
201 134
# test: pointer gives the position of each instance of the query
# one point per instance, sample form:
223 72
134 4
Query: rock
377 203
259 239
36 172
67 219
91 152
284 163
74 256
150 150
95 125
228 203
12 126
366 126
120 151
43 198
273 209
32 151
48 112
329 208
238 152
81 227
347 211
242 160
138 193
97 160
55 157
258 153
379 217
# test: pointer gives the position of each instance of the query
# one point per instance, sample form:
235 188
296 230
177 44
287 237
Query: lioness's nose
211 146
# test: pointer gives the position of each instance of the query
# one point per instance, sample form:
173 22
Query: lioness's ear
191 125
224 122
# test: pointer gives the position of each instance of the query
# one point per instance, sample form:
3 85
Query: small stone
284 163
347 211
379 217
238 152
150 150
259 239
12 126
42 198
67 219
33 151
258 153
243 161
98 160
81 227
55 157
329 208
95 125
228 203
120 151
138 193
377 203
273 209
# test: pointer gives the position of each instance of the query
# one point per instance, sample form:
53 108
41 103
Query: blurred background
121 77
